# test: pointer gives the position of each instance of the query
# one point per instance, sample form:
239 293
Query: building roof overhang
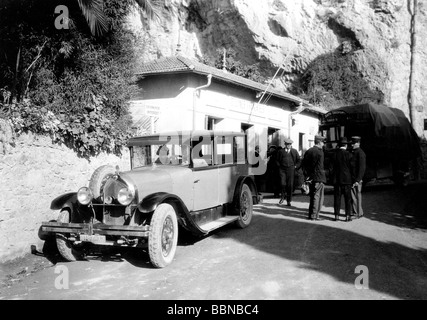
179 64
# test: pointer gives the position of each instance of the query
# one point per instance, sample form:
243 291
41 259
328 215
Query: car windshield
160 154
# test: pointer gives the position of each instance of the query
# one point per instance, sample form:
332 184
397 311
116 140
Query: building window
211 122
425 124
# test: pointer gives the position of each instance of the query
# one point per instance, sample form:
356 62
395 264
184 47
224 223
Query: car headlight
125 196
84 196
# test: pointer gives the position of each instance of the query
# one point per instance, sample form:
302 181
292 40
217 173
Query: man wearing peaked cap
313 168
318 138
358 166
355 139
287 160
341 179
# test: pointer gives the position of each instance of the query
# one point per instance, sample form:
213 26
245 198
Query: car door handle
196 181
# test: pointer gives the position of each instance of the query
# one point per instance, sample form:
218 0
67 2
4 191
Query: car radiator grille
113 212
115 215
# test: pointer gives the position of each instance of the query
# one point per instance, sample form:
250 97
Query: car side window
202 151
224 150
240 150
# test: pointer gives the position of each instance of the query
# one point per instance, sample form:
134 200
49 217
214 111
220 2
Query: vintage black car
200 180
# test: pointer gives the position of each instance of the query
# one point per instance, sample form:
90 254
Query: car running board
212 225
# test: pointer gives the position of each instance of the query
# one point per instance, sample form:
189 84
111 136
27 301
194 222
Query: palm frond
151 8
93 11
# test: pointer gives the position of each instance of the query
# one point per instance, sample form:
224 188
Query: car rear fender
251 184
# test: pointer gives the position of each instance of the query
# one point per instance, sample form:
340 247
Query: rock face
292 34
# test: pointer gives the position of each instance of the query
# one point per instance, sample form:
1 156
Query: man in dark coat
287 159
313 168
358 165
273 178
342 179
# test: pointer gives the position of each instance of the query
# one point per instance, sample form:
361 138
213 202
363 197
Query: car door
205 174
226 157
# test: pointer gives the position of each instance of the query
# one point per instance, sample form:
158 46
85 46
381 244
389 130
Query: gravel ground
281 256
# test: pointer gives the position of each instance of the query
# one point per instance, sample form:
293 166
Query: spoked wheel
163 236
65 247
245 207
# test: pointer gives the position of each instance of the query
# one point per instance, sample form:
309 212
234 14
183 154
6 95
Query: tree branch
38 56
30 67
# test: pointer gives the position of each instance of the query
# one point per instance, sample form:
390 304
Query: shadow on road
388 203
328 247
404 207
394 269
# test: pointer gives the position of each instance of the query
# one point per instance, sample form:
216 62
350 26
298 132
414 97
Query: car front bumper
96 233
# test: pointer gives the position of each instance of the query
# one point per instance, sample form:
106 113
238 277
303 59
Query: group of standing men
347 172
346 169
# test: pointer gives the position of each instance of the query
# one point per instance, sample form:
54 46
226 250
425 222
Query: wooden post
413 8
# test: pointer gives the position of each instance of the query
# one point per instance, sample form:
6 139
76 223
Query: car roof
164 136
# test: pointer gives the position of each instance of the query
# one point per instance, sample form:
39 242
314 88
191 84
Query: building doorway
244 127
273 136
212 122
301 143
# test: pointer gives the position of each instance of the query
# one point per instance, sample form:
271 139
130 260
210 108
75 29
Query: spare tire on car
98 179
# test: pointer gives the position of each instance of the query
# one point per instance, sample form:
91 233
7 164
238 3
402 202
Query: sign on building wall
152 111
144 117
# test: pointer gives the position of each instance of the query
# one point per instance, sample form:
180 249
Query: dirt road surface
281 255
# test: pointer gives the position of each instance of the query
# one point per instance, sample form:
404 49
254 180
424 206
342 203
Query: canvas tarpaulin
390 125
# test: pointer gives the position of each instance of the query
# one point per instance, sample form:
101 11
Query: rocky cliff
389 52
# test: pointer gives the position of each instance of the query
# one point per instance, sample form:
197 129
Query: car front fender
151 202
59 202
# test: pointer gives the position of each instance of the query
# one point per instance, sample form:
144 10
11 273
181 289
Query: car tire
98 179
163 236
245 207
65 248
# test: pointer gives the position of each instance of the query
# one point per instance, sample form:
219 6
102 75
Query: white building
177 93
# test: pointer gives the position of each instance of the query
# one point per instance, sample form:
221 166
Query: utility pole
224 60
413 8
178 46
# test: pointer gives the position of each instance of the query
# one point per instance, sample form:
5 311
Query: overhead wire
270 93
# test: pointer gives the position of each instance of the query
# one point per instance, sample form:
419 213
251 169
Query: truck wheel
65 248
98 179
163 236
245 207
401 178
405 181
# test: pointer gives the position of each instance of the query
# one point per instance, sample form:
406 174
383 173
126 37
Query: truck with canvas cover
387 137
